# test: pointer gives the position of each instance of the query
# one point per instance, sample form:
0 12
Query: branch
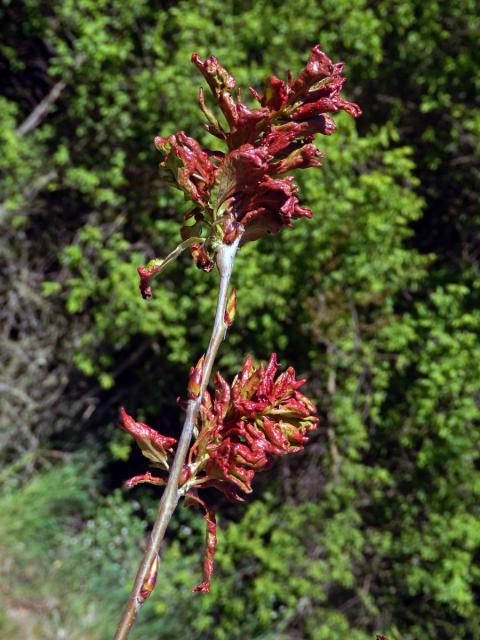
41 109
225 257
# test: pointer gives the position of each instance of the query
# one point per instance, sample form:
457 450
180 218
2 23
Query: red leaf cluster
242 429
247 424
240 192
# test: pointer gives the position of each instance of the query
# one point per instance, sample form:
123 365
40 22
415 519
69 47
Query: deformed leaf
153 445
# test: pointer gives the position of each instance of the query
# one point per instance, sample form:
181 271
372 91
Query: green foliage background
374 528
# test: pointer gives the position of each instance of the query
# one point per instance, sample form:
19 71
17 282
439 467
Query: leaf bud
150 580
195 381
231 308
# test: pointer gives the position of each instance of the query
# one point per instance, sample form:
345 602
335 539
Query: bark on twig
225 258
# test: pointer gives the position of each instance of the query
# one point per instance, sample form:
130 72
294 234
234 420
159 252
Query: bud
195 381
150 580
231 308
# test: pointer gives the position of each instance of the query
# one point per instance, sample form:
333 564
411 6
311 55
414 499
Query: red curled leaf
187 166
210 544
276 93
145 478
221 84
250 122
318 68
299 158
215 128
241 170
273 205
154 446
244 122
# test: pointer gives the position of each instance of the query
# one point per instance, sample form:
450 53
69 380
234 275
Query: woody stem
224 258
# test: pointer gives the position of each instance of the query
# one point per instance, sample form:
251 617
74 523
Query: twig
331 388
225 257
41 109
